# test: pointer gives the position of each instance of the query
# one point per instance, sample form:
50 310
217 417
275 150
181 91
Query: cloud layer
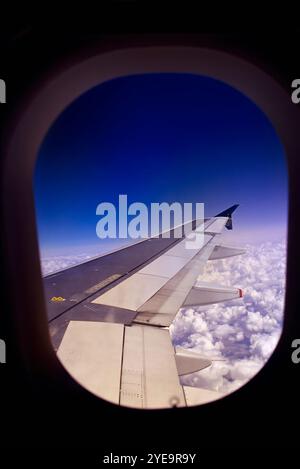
241 334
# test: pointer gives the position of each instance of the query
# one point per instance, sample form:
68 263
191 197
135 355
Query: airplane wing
109 316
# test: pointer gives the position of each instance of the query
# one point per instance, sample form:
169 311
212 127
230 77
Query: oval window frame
54 95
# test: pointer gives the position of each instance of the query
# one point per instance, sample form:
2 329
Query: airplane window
141 318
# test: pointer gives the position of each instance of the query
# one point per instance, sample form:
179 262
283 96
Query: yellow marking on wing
57 298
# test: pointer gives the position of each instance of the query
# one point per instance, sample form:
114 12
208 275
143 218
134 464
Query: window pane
161 138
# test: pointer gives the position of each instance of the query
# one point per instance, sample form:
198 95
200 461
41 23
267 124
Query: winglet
228 213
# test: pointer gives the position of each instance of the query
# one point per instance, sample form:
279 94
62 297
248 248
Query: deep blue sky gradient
158 137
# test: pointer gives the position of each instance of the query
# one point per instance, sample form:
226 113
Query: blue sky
159 137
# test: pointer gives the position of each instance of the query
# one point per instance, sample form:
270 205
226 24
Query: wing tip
228 213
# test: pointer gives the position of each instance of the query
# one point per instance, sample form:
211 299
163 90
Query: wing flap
149 374
132 292
92 354
134 366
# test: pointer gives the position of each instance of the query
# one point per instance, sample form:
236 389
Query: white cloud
53 263
240 334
